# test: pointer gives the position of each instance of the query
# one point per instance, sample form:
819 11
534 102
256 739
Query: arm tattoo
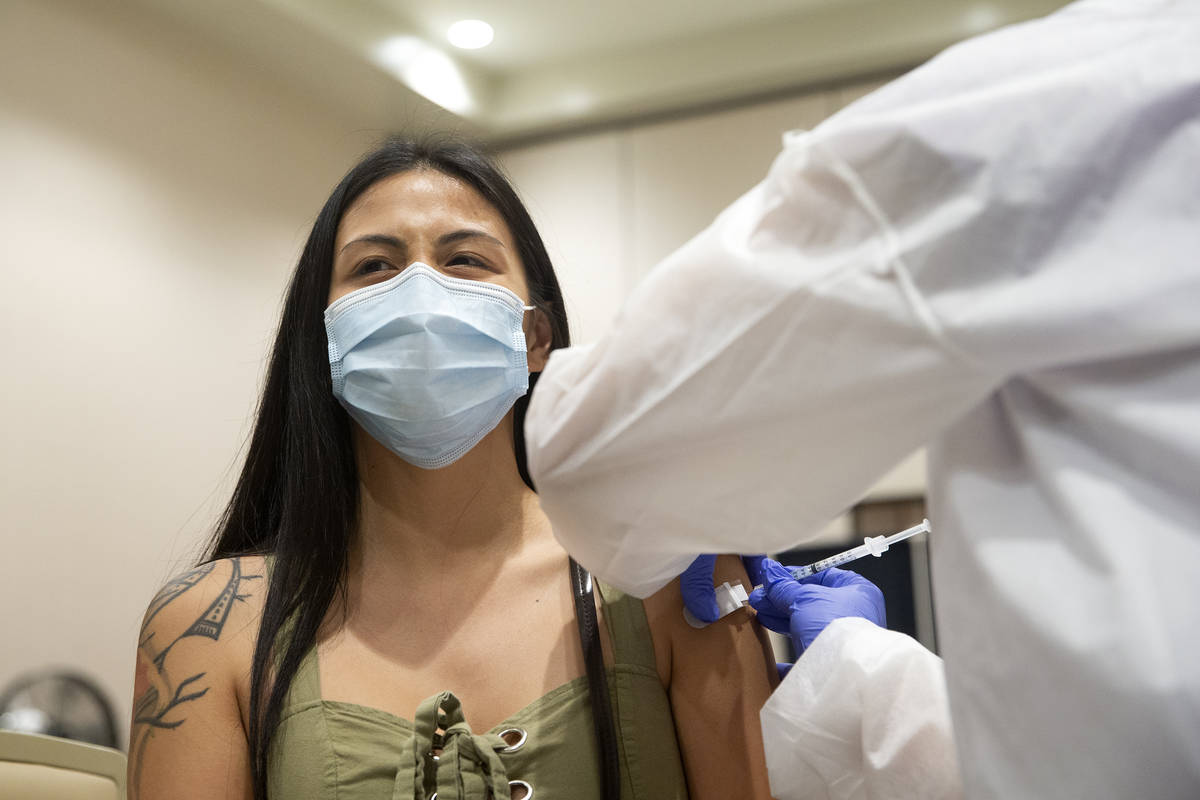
149 712
176 587
157 708
212 621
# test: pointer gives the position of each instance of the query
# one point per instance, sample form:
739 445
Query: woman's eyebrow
444 239
375 238
467 233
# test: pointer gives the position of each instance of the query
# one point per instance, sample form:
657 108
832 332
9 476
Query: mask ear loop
527 308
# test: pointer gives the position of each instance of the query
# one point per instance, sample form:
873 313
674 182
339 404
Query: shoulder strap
589 637
306 683
305 686
628 628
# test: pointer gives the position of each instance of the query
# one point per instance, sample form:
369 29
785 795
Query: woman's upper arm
718 679
187 740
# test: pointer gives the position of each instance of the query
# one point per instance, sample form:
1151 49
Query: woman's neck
475 514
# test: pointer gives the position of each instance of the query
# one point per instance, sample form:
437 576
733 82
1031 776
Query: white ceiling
532 32
559 65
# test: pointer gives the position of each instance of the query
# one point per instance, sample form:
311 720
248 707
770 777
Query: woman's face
427 216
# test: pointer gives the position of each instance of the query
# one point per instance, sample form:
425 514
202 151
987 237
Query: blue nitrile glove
802 608
696 585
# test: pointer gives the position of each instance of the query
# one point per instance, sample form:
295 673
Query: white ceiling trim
380 63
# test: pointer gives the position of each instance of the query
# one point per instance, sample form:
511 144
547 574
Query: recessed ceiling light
427 71
470 34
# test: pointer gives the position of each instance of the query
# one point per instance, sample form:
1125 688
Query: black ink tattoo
148 711
164 696
212 621
176 587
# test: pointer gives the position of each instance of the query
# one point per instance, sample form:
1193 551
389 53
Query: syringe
872 545
731 598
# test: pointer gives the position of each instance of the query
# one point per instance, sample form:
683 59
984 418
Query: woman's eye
373 265
466 260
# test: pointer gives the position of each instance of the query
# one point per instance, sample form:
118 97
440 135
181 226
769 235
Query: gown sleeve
1024 201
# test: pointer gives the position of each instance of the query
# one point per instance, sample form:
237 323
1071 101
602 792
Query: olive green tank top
325 749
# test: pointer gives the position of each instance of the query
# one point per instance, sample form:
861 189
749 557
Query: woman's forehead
418 198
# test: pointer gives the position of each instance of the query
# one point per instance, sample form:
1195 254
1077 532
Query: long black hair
297 496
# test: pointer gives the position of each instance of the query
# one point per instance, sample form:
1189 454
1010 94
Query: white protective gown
998 255
863 715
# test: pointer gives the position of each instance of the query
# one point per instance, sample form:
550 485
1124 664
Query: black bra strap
589 637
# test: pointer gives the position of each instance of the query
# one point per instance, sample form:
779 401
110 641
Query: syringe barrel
833 561
880 545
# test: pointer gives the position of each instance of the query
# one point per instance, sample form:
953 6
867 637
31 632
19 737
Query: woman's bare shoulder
218 602
194 651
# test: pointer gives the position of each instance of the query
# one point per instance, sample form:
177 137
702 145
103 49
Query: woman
383 546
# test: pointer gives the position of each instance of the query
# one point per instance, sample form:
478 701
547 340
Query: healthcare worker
997 255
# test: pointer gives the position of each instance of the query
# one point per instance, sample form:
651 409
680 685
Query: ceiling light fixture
427 71
470 34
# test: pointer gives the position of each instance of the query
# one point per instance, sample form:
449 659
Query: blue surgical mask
427 364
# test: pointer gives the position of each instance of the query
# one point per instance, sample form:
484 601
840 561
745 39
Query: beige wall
155 196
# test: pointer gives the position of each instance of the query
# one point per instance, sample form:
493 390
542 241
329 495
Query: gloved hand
696 585
802 608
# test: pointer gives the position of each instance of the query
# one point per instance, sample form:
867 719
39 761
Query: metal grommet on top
514 738
520 785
